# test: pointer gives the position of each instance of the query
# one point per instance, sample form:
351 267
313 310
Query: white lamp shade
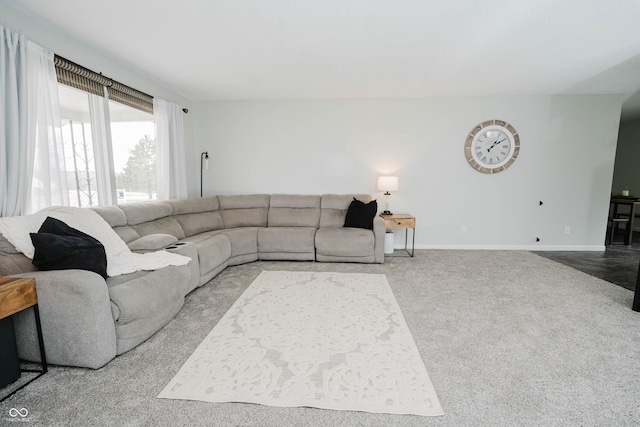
387 183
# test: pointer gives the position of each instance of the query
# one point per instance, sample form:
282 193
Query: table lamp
387 184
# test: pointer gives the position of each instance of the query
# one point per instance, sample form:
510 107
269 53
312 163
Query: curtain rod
101 79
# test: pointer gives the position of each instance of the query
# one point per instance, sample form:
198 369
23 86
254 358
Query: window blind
79 77
131 97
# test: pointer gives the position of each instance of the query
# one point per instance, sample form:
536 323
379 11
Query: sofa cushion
167 225
286 240
143 302
212 252
152 217
146 211
196 223
11 263
189 250
244 210
197 205
333 208
7 247
344 242
112 214
197 216
294 211
126 233
60 247
244 240
360 214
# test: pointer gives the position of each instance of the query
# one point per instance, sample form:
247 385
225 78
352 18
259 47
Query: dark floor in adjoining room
618 263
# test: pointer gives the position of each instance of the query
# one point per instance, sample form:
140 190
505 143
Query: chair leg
611 233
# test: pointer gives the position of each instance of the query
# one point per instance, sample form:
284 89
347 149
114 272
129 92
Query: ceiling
314 49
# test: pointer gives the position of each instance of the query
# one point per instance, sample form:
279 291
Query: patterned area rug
323 340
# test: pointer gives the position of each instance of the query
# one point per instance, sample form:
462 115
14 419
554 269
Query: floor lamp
204 164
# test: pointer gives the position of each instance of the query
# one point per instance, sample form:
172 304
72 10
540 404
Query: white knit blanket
120 259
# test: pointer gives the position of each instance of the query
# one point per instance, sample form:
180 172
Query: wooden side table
18 294
407 222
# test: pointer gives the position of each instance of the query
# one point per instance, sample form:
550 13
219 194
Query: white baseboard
586 248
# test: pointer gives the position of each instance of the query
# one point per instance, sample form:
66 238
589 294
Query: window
105 139
134 153
78 147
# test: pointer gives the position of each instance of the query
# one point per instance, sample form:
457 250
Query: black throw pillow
60 247
361 214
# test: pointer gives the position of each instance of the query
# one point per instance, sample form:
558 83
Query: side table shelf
16 295
407 222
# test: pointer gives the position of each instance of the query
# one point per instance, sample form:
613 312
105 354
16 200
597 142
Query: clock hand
495 143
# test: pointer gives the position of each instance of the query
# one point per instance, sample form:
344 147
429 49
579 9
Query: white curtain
102 148
170 156
31 160
15 153
49 185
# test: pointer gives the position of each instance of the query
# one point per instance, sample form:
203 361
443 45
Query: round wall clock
492 146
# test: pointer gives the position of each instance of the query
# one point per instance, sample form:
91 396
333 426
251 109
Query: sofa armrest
152 242
75 312
379 230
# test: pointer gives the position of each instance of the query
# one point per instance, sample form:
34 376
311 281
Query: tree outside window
139 176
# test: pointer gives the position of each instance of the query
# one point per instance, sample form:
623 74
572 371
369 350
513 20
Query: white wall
566 160
77 51
335 146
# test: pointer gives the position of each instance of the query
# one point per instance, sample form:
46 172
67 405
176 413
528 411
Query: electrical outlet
567 229
463 229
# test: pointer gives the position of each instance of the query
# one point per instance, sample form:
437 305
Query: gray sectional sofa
87 320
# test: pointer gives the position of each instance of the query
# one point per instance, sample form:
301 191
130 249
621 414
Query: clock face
492 146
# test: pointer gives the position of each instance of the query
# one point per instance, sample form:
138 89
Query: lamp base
386 213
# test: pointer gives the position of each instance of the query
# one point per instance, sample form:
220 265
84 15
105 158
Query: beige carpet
509 338
323 340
